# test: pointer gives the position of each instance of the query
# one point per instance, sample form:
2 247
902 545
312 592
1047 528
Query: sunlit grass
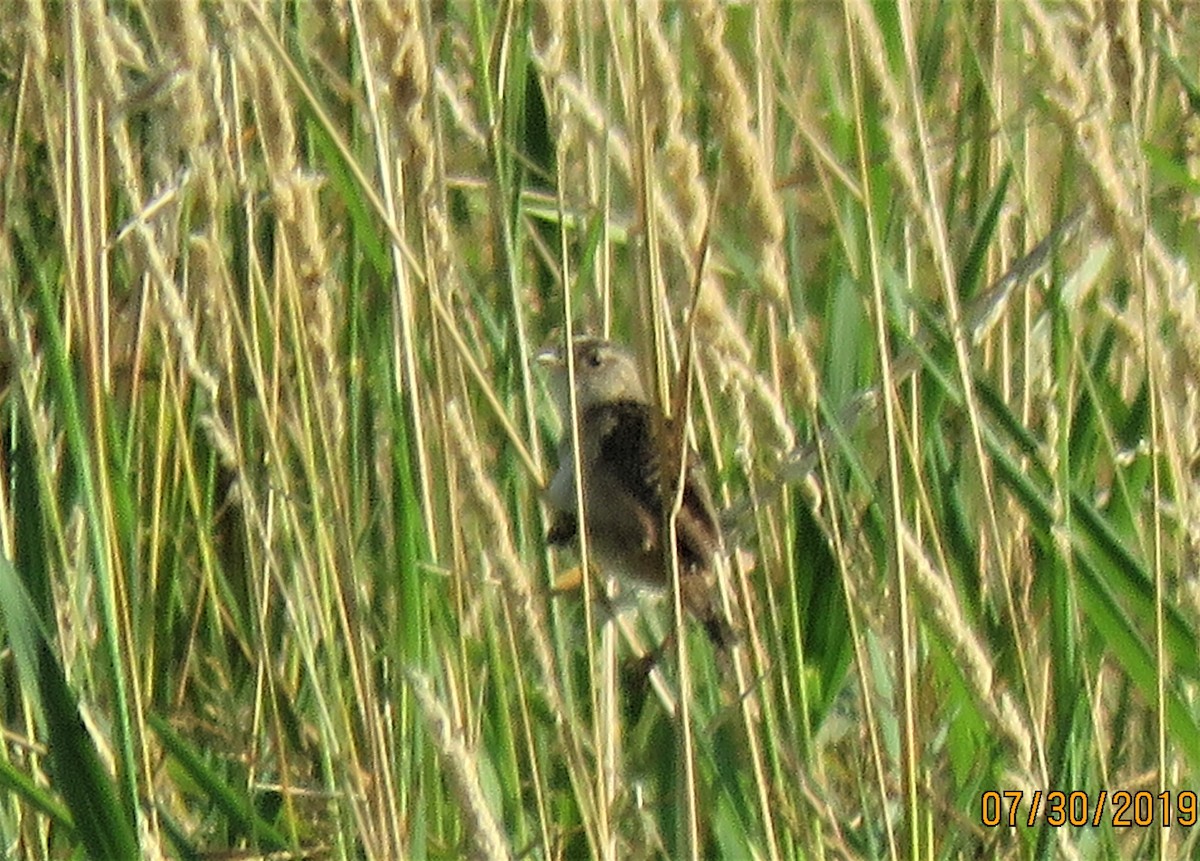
275 573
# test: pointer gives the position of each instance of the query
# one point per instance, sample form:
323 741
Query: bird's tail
703 601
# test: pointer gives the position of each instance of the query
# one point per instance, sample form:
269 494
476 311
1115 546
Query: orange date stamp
1121 809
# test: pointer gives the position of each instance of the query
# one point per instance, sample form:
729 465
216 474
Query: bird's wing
628 451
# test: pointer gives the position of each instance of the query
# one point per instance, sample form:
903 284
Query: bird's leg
563 530
647 662
638 673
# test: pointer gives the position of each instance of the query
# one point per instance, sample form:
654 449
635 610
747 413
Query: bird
624 444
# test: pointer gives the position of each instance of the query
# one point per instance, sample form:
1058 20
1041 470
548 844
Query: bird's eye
593 359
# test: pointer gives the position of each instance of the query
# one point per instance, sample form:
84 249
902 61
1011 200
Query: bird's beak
549 357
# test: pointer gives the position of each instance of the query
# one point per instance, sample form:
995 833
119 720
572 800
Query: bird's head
604 372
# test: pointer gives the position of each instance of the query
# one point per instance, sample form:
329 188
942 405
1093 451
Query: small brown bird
622 436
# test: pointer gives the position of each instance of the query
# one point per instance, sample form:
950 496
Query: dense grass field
274 576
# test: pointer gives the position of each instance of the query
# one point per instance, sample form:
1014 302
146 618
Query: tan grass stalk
102 48
400 34
910 145
522 597
767 405
1118 175
461 771
903 618
36 43
874 52
549 39
183 31
856 607
296 204
942 598
747 164
516 580
747 174
452 89
154 255
685 188
593 121
664 103
590 116
1071 81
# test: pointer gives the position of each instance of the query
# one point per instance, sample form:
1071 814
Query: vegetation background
274 577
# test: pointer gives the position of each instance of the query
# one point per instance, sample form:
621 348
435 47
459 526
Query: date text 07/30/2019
1122 808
